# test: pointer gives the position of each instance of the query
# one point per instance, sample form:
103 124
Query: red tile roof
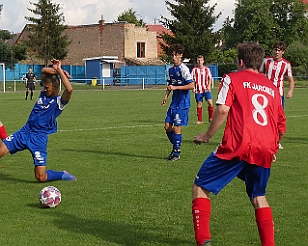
159 29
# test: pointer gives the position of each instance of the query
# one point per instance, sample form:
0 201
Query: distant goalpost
3 75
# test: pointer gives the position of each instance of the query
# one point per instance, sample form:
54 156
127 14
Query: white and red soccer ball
50 197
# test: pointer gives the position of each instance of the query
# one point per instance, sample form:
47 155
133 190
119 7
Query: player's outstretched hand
56 64
199 139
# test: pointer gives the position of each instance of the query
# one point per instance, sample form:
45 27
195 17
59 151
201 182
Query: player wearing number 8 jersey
255 123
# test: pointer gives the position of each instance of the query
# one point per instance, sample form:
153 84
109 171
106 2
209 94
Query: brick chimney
101 21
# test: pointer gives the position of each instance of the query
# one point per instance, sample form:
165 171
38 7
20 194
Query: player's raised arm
64 75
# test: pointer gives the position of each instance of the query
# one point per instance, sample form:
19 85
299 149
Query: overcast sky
80 12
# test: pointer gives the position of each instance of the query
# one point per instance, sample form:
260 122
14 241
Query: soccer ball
50 197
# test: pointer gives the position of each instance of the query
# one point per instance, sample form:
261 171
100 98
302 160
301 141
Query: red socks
199 114
3 133
264 219
210 109
201 211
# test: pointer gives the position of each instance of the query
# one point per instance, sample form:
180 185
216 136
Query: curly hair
176 48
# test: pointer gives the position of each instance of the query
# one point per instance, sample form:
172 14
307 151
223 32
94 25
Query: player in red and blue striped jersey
180 82
203 81
276 68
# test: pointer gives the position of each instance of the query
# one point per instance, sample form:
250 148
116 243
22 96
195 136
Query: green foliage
130 17
10 54
46 39
225 68
192 26
253 21
297 54
290 20
266 21
223 56
5 35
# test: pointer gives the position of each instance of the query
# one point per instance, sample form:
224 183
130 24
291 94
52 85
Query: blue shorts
282 101
34 142
177 117
216 173
199 96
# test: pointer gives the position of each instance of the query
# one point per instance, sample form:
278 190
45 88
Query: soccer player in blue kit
180 82
42 122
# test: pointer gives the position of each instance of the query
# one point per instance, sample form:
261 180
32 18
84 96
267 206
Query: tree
291 21
46 38
266 21
253 21
192 26
297 54
130 17
10 54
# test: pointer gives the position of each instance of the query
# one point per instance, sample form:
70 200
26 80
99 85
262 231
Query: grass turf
126 193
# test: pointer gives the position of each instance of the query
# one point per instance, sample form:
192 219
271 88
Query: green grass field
126 193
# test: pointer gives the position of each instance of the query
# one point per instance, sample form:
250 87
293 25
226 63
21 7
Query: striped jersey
202 77
276 71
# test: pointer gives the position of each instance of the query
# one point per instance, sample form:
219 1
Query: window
140 50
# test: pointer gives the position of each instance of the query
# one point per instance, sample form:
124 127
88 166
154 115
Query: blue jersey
180 76
42 118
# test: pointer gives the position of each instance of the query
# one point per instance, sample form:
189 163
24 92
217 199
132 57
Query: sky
81 12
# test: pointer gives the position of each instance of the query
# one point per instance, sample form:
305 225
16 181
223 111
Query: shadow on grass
116 232
13 179
297 140
114 153
191 141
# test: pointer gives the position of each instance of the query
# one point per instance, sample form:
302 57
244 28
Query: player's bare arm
64 78
211 81
291 86
187 87
219 117
163 102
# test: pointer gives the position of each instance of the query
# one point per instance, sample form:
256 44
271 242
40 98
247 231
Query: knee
198 192
259 202
40 177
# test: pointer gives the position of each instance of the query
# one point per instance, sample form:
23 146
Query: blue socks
177 138
53 175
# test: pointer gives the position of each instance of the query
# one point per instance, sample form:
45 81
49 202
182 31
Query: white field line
297 116
110 128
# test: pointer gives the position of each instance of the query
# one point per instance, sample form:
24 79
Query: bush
226 68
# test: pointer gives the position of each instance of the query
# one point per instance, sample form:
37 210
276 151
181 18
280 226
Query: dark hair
252 54
280 45
51 78
177 48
